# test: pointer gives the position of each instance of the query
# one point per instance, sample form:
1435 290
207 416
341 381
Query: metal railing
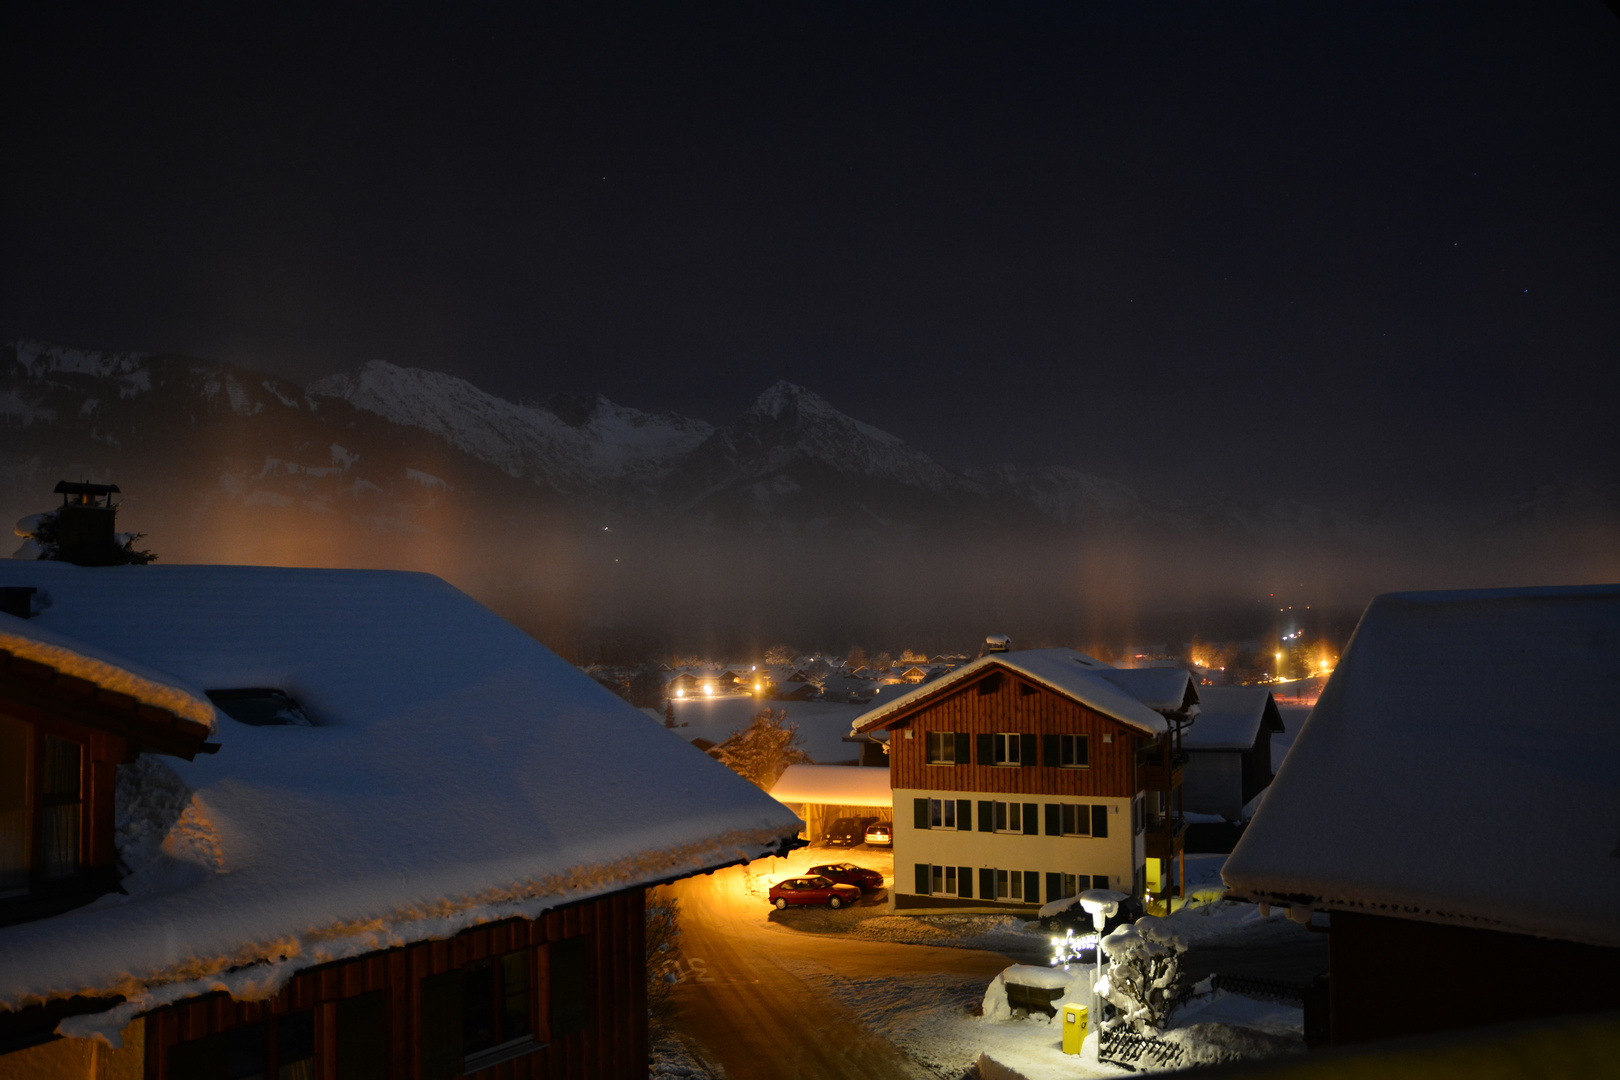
1120 1046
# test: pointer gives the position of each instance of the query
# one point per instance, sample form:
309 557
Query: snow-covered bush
1144 972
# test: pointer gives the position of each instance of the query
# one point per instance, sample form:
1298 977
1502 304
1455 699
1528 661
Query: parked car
848 831
850 874
879 835
1067 914
812 890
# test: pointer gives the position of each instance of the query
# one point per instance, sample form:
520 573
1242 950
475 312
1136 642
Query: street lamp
1103 904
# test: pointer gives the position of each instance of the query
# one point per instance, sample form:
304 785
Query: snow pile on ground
670 1058
995 1005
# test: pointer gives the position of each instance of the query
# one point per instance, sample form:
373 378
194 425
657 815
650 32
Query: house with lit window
1028 776
322 824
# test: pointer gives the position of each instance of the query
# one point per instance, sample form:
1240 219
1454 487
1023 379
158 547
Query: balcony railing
1166 836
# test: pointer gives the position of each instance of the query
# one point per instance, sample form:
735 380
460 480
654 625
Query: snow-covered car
850 874
1067 914
812 890
848 831
879 835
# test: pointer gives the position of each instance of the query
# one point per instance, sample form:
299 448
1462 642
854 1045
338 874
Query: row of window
1010 886
473 1018
1059 819
1008 748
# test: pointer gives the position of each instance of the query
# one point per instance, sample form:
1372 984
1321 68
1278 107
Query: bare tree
764 749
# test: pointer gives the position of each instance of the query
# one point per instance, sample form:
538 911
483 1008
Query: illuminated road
741 1001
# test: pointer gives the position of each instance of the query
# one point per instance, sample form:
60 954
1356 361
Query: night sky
1290 249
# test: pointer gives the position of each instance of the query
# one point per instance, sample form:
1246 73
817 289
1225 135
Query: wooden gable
999 700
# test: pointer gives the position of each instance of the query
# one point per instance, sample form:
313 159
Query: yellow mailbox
1074 1028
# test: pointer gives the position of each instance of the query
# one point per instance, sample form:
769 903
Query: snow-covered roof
1229 718
1160 689
459 772
1065 671
1462 766
834 785
31 641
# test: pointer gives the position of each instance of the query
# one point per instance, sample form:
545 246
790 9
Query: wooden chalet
1450 805
1027 776
370 833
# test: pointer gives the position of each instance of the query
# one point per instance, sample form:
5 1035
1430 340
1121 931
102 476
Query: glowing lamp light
680 693
708 688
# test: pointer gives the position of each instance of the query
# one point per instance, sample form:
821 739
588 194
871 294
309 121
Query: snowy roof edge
868 720
259 977
106 670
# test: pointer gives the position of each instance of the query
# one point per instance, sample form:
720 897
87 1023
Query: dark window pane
362 1037
15 853
570 965
59 823
200 1059
477 1007
295 1046
442 1054
246 1052
515 995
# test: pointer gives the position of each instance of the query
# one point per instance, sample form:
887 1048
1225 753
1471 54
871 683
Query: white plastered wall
1117 856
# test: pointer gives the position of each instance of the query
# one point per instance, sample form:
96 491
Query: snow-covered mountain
792 459
575 446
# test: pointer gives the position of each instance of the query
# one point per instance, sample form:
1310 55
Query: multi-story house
1028 776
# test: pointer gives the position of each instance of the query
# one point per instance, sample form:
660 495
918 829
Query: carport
821 794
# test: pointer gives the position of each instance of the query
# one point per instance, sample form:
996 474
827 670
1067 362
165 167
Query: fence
1125 1048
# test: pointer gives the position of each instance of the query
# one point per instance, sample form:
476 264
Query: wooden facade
1469 977
607 1008
63 739
999 701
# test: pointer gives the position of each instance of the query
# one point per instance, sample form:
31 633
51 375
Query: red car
812 890
850 874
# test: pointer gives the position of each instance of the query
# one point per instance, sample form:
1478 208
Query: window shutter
986 749
1051 750
1099 822
362 1037
1054 819
442 1053
987 884
1032 887
1026 750
924 885
1032 821
987 816
1082 750
964 815
964 882
569 986
1054 887
964 748
921 818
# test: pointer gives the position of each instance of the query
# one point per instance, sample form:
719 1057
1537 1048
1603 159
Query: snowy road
750 995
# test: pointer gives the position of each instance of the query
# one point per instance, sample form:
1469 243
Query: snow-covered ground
938 1021
822 724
